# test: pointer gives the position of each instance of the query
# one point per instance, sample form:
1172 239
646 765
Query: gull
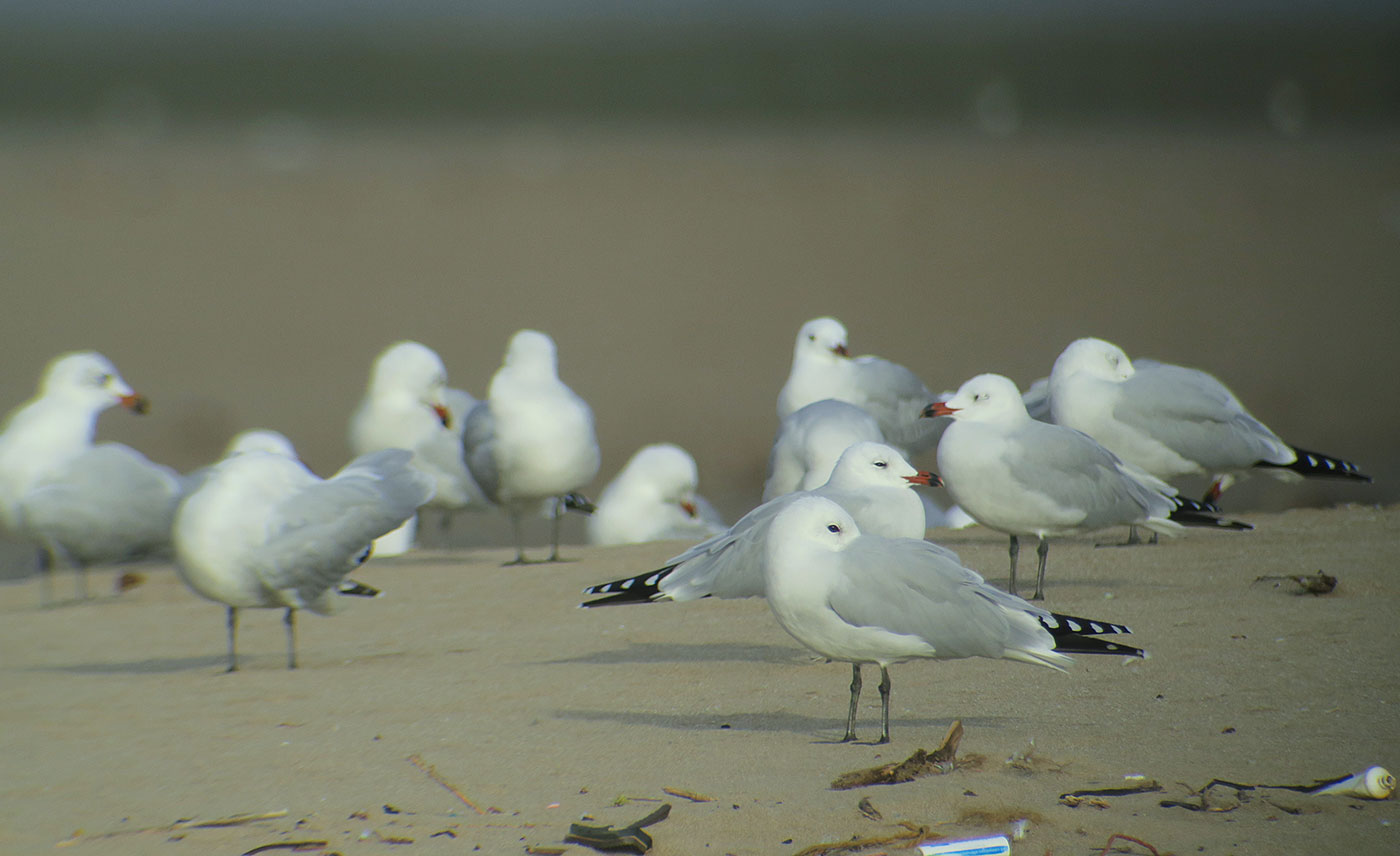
84 504
260 440
654 499
872 481
406 406
862 598
1023 477
809 442
532 439
822 367
263 531
1173 421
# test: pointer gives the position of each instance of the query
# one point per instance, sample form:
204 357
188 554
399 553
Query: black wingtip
578 502
1318 465
355 589
1189 512
1075 635
643 588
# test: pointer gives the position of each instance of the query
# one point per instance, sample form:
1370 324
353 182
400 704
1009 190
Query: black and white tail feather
350 587
1189 512
1075 635
1318 465
643 588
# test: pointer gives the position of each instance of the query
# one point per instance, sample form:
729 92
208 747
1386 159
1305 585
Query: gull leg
232 628
1042 550
45 564
885 704
558 514
1015 551
519 526
290 619
855 697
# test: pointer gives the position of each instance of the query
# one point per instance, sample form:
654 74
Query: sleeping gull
809 442
84 504
532 439
263 531
406 406
822 367
1023 477
871 480
862 598
654 499
1173 421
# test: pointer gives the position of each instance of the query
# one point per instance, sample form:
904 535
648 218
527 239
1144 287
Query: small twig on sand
911 833
1118 836
431 772
235 820
687 795
294 846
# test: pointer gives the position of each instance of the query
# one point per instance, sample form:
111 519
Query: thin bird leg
290 619
855 697
1041 551
558 514
1015 551
885 704
519 526
232 628
45 563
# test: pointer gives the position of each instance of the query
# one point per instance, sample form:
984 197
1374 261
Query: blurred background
242 203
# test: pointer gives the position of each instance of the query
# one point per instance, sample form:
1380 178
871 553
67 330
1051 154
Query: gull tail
1318 465
578 502
351 587
643 588
1075 635
1189 512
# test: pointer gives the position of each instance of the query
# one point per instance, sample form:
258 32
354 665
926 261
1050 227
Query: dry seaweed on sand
1314 584
630 837
941 760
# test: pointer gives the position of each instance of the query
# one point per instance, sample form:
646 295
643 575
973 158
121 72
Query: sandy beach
122 733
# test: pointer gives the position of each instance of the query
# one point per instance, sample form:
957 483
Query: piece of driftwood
921 763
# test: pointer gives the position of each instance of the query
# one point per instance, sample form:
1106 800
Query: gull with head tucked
263 531
1173 421
654 499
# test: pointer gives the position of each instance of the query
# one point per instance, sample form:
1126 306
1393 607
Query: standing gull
83 504
532 439
822 367
407 406
1024 477
263 531
654 499
872 481
870 599
1173 421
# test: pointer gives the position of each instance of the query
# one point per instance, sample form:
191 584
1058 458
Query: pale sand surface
117 716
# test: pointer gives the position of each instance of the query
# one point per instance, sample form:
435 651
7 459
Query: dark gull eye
832 527
881 464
